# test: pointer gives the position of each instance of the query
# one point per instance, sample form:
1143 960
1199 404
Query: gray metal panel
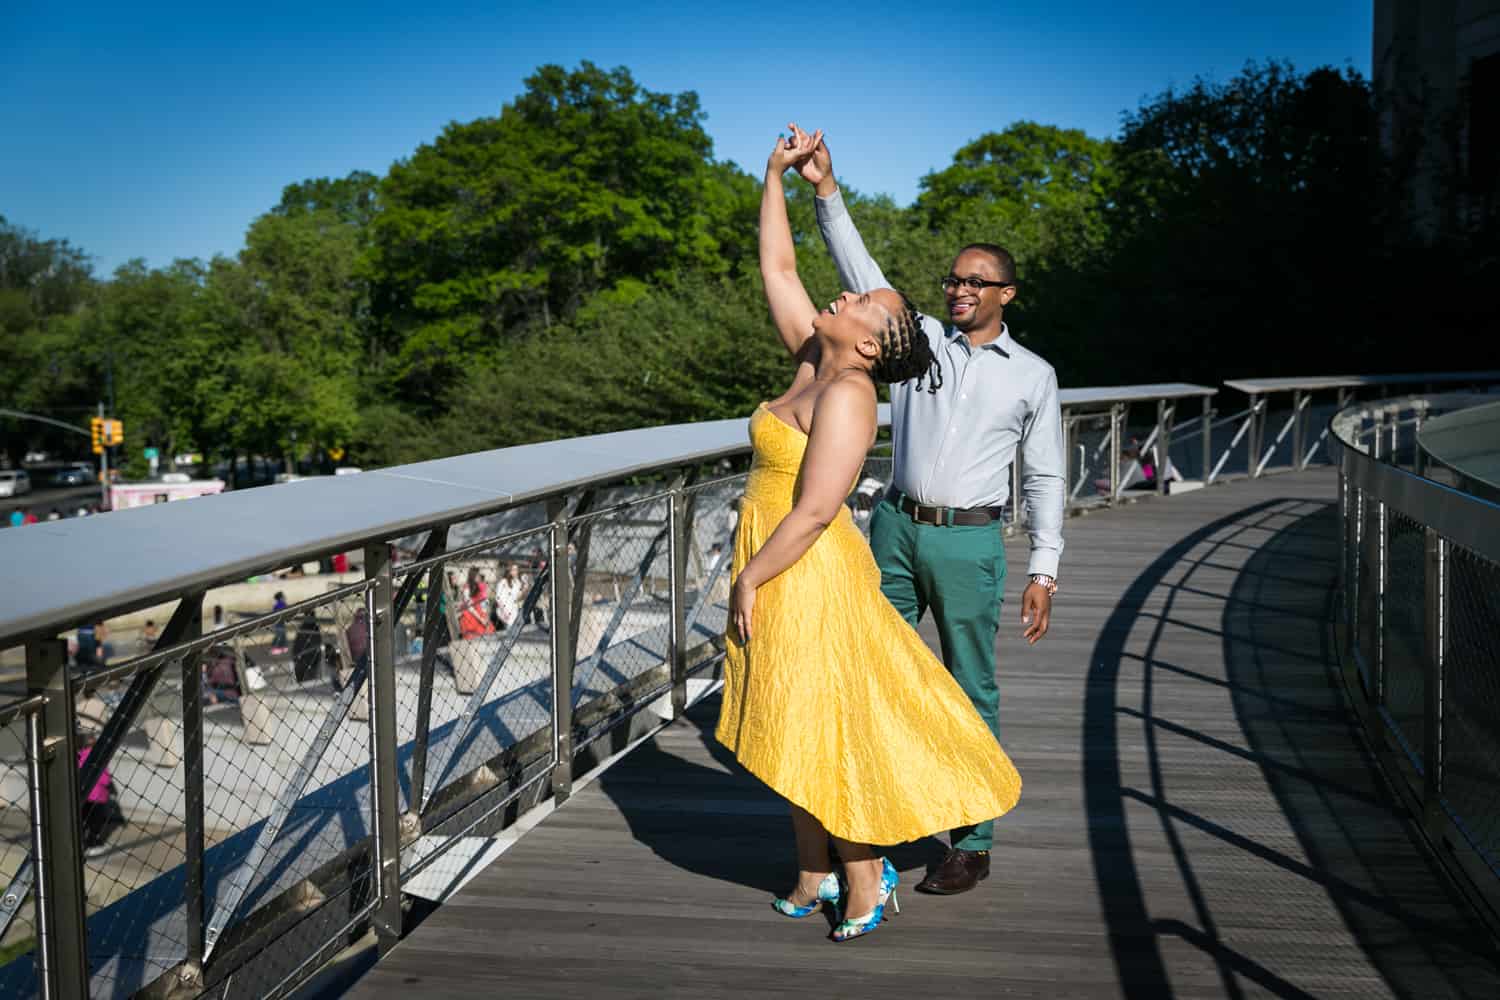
1105 394
1256 386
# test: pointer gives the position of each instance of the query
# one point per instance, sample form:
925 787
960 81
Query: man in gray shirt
937 533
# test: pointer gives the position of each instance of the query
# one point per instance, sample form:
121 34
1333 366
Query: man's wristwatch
1043 580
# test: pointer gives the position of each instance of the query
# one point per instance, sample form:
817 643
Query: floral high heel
829 892
855 927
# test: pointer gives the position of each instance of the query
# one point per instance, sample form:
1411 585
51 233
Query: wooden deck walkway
1198 818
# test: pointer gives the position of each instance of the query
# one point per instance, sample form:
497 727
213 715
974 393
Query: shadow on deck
1199 818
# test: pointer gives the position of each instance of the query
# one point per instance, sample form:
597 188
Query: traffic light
96 431
116 429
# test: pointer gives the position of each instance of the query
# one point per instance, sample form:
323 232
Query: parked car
14 482
77 474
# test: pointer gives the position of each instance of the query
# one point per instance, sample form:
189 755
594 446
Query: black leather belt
943 516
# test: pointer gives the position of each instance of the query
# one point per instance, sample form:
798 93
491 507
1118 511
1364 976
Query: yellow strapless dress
836 703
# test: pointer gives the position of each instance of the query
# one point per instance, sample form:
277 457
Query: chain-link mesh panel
131 830
286 763
624 605
714 509
1471 699
1089 458
1405 630
473 665
18 942
1367 588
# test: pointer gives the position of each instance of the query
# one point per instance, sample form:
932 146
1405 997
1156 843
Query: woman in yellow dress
830 697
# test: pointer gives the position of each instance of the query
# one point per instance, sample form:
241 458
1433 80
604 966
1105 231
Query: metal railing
1419 624
282 780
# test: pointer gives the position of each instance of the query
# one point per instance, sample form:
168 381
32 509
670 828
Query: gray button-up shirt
954 447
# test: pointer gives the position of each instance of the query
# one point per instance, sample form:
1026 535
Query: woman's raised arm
791 309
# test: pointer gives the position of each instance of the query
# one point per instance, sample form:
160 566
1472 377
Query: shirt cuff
1043 561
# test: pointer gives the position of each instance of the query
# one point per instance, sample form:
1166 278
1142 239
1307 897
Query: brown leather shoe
959 872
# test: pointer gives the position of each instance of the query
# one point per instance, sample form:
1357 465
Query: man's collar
1001 345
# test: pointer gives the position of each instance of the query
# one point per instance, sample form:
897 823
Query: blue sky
161 130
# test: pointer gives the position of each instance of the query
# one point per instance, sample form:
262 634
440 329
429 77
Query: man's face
976 308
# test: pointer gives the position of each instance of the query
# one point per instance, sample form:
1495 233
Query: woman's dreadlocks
905 352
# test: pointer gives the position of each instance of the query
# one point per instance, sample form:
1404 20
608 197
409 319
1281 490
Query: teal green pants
959 573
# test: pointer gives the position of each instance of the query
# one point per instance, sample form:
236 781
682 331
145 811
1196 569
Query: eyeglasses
972 284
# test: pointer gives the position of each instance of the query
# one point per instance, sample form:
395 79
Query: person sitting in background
357 637
221 677
510 591
101 812
150 634
473 615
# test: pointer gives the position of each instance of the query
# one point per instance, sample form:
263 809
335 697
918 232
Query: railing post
195 885
1418 456
383 768
1380 588
562 652
1257 432
1208 434
680 537
1067 425
1298 401
1435 614
58 853
1166 413
1115 441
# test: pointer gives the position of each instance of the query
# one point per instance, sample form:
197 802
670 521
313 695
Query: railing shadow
1279 677
1349 839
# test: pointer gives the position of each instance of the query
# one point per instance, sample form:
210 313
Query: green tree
287 312
584 183
44 283
1246 229
146 330
1038 190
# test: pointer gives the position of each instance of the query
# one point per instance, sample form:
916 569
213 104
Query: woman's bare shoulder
848 403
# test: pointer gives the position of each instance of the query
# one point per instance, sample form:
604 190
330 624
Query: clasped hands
806 153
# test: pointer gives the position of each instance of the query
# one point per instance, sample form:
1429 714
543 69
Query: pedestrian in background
473 613
278 631
510 591
101 811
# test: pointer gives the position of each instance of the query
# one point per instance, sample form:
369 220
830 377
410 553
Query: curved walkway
1199 818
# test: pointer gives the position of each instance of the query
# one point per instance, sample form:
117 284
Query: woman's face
859 320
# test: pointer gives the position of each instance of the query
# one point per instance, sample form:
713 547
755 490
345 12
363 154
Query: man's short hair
1003 260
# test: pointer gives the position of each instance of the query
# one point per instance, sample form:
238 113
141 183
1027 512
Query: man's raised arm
858 271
